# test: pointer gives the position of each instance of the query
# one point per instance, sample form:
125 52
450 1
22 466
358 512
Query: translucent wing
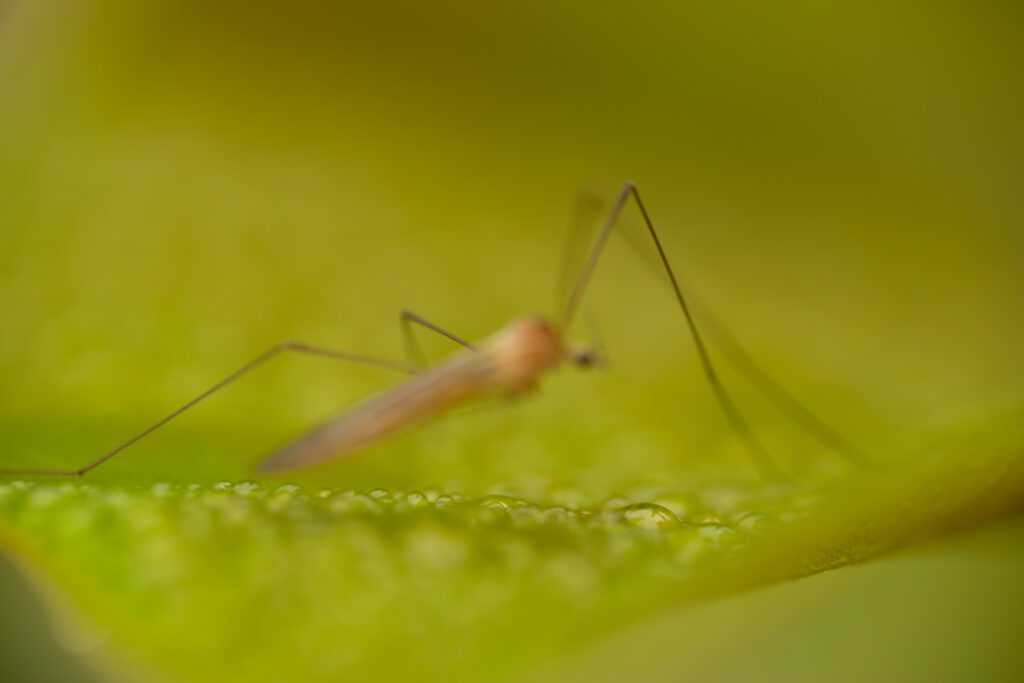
587 212
459 380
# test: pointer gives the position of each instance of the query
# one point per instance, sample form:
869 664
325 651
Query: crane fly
509 363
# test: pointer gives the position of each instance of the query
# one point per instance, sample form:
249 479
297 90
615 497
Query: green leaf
240 582
184 184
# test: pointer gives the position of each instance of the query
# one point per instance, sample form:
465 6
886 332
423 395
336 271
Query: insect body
509 363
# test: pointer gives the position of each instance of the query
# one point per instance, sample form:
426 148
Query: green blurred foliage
951 613
183 184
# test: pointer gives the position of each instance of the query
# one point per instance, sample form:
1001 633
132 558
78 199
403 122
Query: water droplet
288 498
416 499
288 490
558 515
716 533
222 486
382 496
706 518
649 516
493 509
527 515
608 520
248 489
443 502
161 489
499 502
349 502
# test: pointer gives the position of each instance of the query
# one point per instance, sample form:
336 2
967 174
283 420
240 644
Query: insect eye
585 358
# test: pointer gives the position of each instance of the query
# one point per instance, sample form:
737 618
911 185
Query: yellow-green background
183 184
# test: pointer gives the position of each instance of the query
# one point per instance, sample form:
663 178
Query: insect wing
459 380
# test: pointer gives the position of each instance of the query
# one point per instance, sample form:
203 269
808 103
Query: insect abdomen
446 386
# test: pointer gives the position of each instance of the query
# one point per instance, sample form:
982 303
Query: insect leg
274 351
412 347
723 339
754 374
758 454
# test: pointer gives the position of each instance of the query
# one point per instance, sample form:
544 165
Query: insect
509 363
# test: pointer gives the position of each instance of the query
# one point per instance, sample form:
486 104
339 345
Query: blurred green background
184 184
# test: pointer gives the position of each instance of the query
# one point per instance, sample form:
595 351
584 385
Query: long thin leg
412 347
740 359
267 355
753 445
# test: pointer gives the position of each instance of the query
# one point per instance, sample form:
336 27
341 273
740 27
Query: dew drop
349 502
527 515
649 516
286 499
608 520
382 496
161 489
499 502
446 501
222 486
716 533
416 499
247 489
707 518
558 515
288 490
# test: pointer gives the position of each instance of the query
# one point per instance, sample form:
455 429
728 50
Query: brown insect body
509 363
522 352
